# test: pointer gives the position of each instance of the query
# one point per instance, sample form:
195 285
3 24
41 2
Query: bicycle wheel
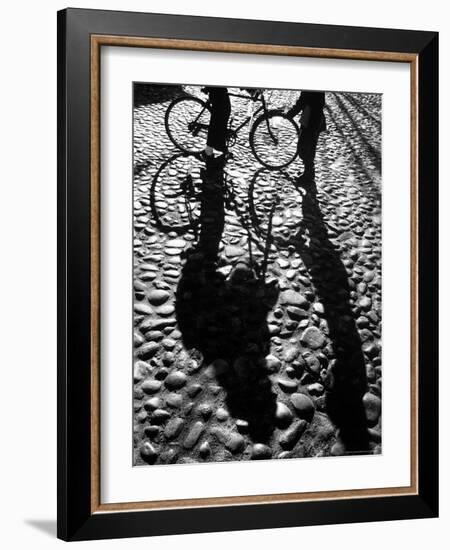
274 139
175 194
187 122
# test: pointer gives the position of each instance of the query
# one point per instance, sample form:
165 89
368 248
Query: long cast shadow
358 159
309 238
224 318
348 381
373 152
360 107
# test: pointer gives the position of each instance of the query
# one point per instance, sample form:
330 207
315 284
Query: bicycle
273 136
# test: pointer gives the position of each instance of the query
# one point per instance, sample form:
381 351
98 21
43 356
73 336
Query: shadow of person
347 378
301 228
224 317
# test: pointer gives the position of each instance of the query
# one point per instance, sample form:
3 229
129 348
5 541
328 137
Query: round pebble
303 405
313 338
148 452
261 452
175 380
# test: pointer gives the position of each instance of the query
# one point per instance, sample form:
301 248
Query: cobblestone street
257 332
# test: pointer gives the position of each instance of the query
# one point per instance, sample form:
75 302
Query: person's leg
225 115
220 112
307 146
306 151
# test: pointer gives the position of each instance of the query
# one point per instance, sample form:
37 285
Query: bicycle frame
263 108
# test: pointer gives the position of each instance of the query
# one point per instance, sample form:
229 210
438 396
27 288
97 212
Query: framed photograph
247 240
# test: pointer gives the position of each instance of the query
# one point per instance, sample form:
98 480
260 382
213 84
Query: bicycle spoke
187 122
274 140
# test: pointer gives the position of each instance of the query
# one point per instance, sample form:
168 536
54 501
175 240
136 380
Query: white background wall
28 273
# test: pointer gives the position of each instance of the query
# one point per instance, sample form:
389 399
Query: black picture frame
76 518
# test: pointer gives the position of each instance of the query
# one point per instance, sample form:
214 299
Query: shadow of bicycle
225 317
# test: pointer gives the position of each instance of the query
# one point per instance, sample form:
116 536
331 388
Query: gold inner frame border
97 41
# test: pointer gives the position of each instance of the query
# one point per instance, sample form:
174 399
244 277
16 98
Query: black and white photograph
257 274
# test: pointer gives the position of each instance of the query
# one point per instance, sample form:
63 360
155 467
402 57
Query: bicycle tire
181 129
262 145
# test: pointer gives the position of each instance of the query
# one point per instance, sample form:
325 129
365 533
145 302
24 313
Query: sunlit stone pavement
257 340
